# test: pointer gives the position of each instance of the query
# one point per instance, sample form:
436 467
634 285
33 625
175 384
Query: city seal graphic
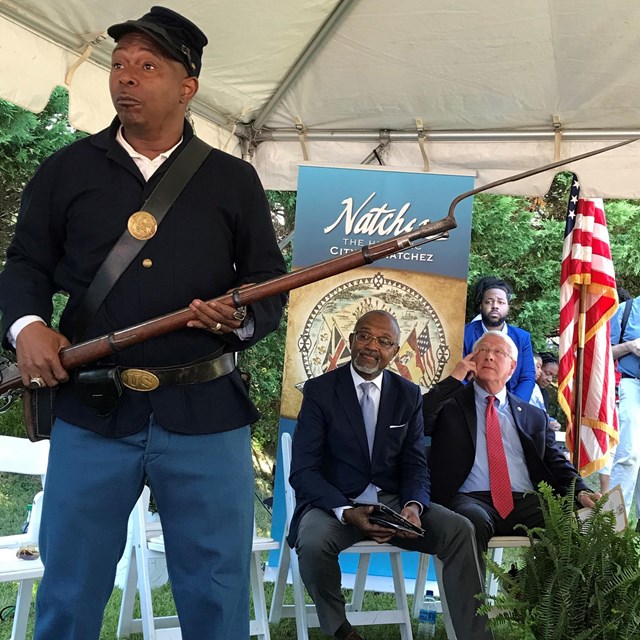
324 342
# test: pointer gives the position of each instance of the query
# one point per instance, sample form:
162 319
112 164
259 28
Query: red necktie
498 469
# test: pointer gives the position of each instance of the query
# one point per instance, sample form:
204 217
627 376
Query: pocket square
397 426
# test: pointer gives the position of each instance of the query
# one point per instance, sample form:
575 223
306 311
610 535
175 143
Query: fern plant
578 580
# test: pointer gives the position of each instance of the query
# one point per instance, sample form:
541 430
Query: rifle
92 350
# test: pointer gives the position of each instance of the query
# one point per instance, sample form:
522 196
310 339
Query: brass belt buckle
139 380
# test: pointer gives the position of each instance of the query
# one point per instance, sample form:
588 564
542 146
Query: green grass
285 630
16 493
163 605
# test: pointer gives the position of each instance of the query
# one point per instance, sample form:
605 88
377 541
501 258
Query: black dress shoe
354 635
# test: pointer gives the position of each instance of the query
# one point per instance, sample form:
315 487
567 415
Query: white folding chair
19 455
305 614
497 544
147 541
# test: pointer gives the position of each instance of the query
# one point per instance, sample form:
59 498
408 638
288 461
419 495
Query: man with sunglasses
489 449
360 438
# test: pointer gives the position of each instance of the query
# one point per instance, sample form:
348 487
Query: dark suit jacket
452 425
217 235
330 461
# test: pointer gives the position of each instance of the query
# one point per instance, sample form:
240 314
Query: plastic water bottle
427 619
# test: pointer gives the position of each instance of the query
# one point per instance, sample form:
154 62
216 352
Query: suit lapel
385 413
467 401
348 398
516 411
519 417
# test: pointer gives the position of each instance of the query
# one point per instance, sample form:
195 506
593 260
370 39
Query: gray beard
368 370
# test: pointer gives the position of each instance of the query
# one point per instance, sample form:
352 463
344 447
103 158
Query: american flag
413 343
586 261
424 344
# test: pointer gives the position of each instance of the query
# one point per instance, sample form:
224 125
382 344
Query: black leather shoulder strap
127 247
625 318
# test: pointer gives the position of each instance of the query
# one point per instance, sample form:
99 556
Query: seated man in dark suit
489 449
360 437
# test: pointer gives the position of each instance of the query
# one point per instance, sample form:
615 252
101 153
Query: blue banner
340 210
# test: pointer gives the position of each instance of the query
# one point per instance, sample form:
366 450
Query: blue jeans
626 462
203 486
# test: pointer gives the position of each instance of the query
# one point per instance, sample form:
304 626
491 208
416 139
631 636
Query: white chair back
289 493
19 455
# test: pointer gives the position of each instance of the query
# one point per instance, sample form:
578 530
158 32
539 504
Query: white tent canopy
499 86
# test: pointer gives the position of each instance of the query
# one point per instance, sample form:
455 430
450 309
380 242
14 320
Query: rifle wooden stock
87 352
83 353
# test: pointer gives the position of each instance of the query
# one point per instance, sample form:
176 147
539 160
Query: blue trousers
625 470
203 486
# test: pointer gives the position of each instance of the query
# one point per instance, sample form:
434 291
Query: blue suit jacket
330 459
524 375
453 428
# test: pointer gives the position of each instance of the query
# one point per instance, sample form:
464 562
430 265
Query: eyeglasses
496 353
364 337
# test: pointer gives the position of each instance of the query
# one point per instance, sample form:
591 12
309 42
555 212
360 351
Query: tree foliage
511 240
26 139
520 240
264 361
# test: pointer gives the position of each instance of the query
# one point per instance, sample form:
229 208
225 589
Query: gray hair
504 337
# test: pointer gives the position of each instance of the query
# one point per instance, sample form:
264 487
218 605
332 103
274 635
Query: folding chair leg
421 583
21 615
360 582
446 612
144 589
261 623
299 599
401 595
492 586
128 598
277 599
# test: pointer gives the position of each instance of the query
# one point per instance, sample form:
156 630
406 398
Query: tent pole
319 38
374 135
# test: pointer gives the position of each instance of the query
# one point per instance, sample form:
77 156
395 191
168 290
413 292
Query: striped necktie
368 413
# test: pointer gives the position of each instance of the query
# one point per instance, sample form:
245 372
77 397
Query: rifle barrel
89 351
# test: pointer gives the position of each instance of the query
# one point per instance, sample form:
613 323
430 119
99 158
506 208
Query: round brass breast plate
142 225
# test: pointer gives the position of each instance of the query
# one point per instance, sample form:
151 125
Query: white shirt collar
358 379
147 166
503 330
482 394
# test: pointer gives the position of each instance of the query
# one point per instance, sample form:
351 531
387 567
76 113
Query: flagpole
577 399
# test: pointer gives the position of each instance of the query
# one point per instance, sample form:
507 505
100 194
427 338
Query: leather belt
148 379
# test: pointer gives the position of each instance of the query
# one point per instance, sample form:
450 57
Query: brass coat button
147 263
